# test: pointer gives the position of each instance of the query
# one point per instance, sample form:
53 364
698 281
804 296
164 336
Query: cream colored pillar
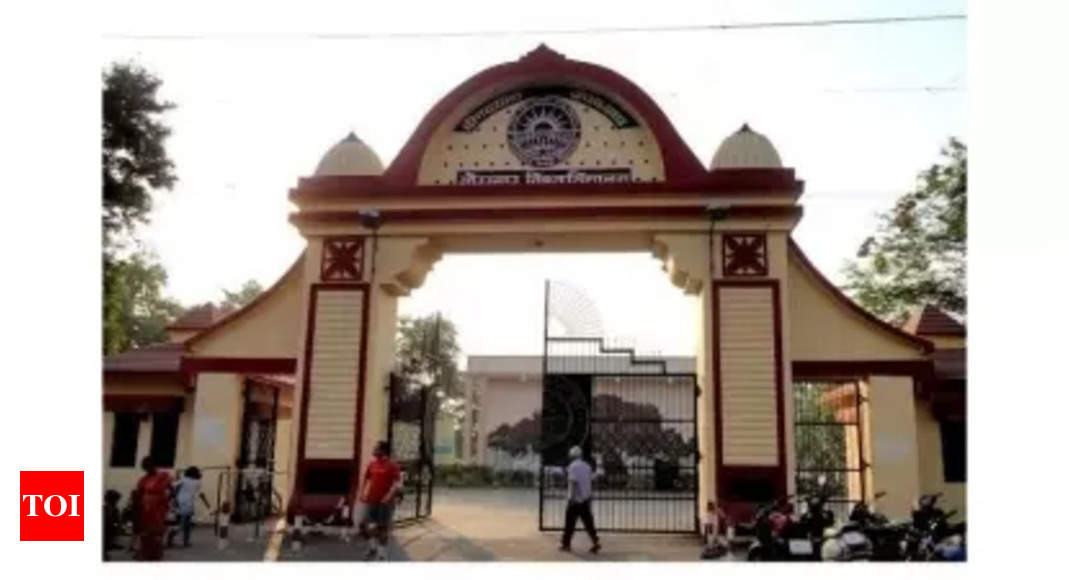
893 426
686 260
401 265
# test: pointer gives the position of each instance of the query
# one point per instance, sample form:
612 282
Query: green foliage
427 345
234 300
135 312
817 446
134 159
642 434
917 255
134 162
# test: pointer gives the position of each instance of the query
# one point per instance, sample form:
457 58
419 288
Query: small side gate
411 437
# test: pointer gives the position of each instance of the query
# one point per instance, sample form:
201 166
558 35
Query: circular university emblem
544 132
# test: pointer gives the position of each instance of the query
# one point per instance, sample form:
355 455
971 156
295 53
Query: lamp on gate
717 212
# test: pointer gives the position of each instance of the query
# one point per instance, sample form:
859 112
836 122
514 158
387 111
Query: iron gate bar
812 430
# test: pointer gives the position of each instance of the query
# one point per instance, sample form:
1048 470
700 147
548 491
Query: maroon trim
341 262
303 464
270 382
540 66
925 345
224 364
921 369
689 212
239 313
778 473
144 403
119 373
759 263
374 188
358 438
306 365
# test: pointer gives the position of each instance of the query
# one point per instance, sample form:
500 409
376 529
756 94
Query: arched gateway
547 153
555 154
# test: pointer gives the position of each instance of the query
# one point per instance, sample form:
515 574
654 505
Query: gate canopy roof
546 124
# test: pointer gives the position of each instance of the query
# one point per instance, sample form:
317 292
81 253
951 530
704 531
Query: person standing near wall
382 481
186 495
580 493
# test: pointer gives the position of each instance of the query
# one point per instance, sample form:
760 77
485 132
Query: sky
845 106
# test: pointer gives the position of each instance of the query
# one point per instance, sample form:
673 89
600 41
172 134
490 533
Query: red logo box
52 506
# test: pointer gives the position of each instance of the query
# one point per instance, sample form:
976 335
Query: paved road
479 525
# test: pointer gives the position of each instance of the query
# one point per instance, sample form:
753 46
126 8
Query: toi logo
51 506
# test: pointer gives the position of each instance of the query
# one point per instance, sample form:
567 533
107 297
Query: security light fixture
717 212
370 219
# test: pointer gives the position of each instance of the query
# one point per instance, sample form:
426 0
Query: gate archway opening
639 429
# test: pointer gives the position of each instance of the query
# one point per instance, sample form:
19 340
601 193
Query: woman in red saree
153 499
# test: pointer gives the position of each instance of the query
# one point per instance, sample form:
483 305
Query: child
172 523
713 523
224 526
112 521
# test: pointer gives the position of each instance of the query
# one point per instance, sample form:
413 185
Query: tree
134 162
134 158
639 432
234 300
427 345
917 255
135 312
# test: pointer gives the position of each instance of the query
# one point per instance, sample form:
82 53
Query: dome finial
746 149
350 156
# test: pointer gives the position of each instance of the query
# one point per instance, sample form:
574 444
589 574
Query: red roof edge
231 317
932 321
925 345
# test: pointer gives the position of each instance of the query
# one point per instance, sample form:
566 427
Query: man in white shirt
580 491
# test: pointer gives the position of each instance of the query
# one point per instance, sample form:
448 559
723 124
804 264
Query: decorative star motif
745 255
343 259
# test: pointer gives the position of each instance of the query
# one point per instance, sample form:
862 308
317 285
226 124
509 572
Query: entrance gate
411 438
636 424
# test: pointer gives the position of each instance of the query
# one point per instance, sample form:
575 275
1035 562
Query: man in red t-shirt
382 482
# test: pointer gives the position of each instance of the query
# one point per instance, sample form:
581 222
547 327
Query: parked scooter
867 535
932 537
778 536
767 527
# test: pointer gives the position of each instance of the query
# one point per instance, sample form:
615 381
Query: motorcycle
765 529
867 535
778 536
932 537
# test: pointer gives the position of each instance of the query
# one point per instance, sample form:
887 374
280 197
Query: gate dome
350 156
746 149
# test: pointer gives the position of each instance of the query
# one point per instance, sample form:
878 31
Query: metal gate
829 441
412 410
255 497
634 420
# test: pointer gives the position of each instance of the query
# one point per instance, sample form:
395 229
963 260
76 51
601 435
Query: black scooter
867 535
932 537
779 537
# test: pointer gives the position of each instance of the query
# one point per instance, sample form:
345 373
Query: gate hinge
697 391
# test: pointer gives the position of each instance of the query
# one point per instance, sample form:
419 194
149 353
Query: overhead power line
729 26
